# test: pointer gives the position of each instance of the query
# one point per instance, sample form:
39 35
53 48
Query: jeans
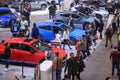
115 65
58 74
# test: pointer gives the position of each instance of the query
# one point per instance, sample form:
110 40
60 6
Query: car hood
62 54
77 34
5 18
89 20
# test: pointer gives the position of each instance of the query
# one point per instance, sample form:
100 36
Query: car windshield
40 46
83 15
94 8
5 12
64 26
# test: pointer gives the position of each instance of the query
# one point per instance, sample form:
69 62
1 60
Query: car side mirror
32 51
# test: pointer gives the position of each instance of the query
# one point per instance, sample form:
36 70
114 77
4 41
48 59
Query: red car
28 50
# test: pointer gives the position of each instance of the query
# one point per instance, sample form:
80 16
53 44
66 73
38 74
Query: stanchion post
22 76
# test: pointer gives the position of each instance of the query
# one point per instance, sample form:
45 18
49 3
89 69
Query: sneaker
5 69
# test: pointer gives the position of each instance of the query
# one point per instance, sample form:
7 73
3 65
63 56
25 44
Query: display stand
46 70
22 76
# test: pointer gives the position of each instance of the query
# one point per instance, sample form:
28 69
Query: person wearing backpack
108 35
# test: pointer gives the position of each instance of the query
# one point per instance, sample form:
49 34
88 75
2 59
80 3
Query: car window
5 12
25 47
40 46
15 46
45 27
75 16
56 29
65 15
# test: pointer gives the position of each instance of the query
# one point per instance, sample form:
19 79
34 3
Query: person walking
58 38
108 35
35 32
84 46
78 46
7 53
115 60
114 23
71 66
80 65
58 66
100 28
66 39
5 4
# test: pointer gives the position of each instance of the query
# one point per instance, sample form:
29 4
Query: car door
28 54
47 33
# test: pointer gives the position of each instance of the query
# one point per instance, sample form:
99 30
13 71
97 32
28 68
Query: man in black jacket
7 54
71 66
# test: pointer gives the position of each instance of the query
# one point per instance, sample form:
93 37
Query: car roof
20 40
48 24
4 8
66 12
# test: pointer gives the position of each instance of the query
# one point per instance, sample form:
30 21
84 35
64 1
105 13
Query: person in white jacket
59 38
66 39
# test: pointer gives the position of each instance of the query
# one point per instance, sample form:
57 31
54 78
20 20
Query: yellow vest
118 37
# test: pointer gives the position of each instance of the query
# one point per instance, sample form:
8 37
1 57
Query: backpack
109 31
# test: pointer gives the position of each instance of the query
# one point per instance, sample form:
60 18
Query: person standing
108 35
16 29
12 23
27 31
52 11
80 65
50 55
115 59
100 28
23 23
5 4
66 39
35 32
58 66
7 53
62 5
71 22
71 66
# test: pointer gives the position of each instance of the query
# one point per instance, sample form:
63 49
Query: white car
99 13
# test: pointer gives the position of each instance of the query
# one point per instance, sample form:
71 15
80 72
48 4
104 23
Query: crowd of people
75 64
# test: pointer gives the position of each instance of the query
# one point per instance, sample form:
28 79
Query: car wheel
72 41
43 7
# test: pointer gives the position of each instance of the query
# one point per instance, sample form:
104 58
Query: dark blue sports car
6 15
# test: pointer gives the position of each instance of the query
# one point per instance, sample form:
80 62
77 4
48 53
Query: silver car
36 4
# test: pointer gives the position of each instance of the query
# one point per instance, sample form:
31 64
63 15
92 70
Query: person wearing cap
50 55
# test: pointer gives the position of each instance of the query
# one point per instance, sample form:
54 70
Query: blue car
6 15
47 31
